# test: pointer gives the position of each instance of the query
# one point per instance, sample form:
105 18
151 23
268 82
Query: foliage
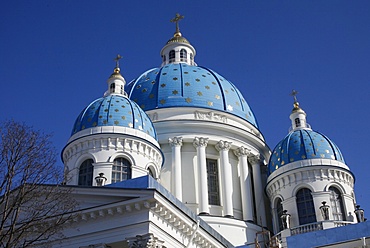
34 207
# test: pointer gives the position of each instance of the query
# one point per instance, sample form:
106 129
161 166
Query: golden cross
176 20
294 94
117 60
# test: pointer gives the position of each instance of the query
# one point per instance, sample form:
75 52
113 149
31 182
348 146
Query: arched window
336 204
191 57
112 87
172 56
85 175
306 209
213 182
183 55
279 213
297 122
121 170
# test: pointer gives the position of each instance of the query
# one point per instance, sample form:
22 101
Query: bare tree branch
34 207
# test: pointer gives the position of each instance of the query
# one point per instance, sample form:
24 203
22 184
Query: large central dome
183 85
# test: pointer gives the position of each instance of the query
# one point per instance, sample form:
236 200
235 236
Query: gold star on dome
199 93
175 92
217 97
123 117
207 87
229 107
187 84
210 104
163 85
130 124
188 100
151 96
162 101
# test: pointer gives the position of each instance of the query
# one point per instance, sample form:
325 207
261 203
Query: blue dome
182 85
114 110
303 144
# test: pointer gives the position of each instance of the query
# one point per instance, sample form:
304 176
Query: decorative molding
223 145
182 225
175 141
117 144
145 241
154 116
254 159
308 176
200 142
212 116
242 151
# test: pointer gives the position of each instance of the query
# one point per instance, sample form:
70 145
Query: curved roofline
241 111
334 148
129 135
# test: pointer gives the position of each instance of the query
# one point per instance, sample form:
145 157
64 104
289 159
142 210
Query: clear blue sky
55 57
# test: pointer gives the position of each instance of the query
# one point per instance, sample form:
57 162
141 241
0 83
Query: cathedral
175 158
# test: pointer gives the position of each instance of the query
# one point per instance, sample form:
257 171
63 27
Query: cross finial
176 20
117 59
294 94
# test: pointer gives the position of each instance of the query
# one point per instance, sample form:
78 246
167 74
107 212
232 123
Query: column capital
223 145
242 151
200 142
254 159
175 141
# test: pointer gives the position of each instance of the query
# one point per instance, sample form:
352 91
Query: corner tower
307 172
112 140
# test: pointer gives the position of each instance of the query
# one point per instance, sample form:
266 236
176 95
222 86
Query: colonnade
223 147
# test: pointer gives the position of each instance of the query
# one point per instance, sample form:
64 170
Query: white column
258 189
200 144
176 143
245 183
226 176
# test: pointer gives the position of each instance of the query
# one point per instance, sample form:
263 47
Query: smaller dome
114 110
303 144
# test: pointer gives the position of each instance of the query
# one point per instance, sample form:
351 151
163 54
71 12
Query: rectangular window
213 182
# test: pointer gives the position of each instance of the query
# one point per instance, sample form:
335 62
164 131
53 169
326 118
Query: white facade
184 203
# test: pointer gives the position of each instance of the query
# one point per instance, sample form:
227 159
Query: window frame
213 182
121 170
305 206
336 203
85 173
